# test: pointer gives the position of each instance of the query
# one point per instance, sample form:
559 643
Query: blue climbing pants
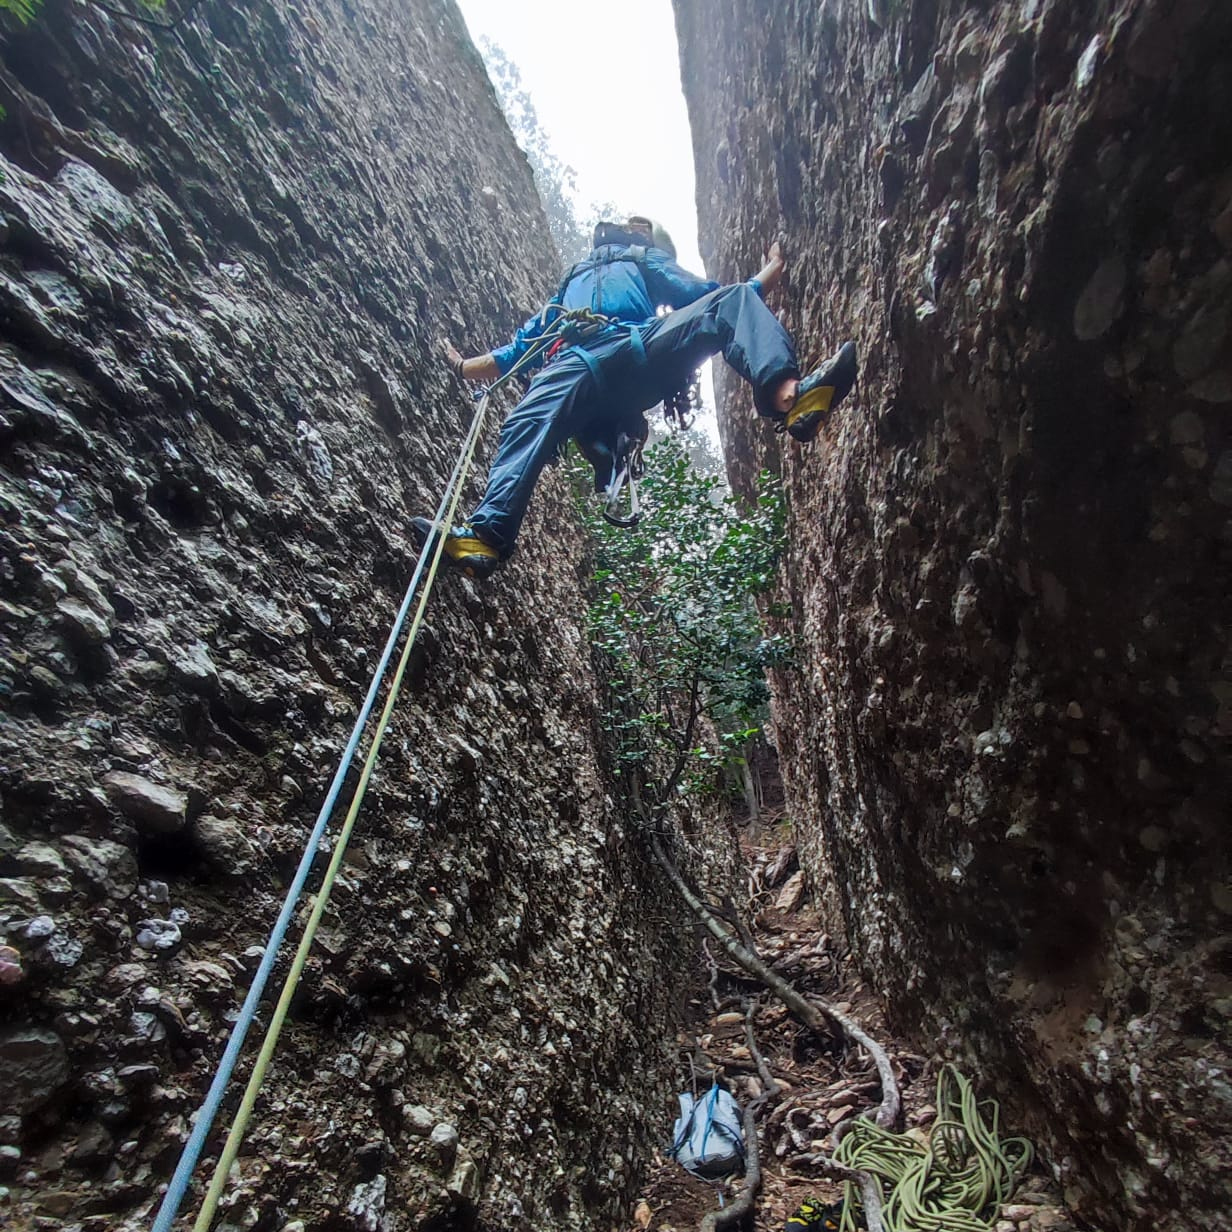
578 395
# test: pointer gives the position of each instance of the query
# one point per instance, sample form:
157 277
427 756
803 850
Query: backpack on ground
708 1139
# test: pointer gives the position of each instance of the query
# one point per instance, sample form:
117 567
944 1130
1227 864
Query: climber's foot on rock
806 406
463 548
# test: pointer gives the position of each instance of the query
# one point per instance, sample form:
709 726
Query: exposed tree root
730 1216
870 1190
713 982
813 1014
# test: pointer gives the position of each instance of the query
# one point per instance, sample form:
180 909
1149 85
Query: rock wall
1005 739
228 255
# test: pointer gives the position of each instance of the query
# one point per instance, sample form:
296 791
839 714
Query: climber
628 362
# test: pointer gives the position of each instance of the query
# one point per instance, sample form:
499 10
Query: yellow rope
231 1149
955 1183
222 1169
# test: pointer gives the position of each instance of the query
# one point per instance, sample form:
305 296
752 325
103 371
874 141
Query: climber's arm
527 350
476 368
672 284
770 274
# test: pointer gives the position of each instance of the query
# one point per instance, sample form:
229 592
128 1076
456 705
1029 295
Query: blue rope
195 1145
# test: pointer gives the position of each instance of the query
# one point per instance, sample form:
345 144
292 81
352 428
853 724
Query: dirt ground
823 1080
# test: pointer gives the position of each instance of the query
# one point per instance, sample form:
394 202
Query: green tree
675 620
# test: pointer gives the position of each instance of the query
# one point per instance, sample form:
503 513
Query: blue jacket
612 282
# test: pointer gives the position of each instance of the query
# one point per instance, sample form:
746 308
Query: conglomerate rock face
1005 737
228 256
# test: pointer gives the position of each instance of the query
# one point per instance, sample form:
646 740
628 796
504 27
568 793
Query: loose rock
33 1067
155 809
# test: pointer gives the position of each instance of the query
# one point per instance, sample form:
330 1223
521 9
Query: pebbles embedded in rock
82 622
315 452
225 844
367 1204
146 1028
1101 301
106 865
418 1119
62 950
11 970
194 667
210 977
19 893
158 935
94 1144
39 928
1085 71
463 1181
41 860
157 892
444 1140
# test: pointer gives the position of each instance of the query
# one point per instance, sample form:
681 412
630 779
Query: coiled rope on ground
955 1182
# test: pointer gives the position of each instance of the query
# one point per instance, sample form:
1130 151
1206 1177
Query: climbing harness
574 326
955 1182
426 568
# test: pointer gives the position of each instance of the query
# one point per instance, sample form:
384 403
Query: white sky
629 143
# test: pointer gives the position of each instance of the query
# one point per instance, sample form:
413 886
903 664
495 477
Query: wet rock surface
1005 741
227 258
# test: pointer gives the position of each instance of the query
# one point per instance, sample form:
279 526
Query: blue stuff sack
708 1139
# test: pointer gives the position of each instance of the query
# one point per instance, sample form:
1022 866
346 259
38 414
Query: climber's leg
809 401
735 321
535 428
732 320
531 434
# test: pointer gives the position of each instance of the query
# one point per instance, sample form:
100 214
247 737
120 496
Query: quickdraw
628 467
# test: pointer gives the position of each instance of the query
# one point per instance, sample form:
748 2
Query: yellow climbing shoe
816 1216
463 548
821 391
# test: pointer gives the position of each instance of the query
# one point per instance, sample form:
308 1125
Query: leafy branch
676 623
27 10
23 10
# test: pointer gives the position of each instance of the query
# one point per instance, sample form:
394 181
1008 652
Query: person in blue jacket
630 365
